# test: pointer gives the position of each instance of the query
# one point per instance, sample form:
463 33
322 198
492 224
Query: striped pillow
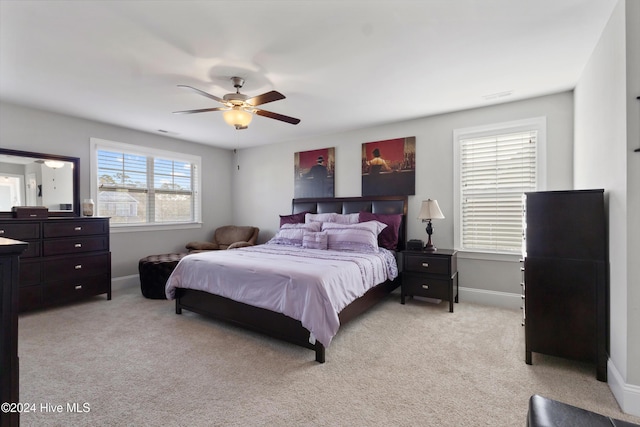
314 239
292 234
360 237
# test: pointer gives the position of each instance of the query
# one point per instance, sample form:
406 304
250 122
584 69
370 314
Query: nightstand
430 274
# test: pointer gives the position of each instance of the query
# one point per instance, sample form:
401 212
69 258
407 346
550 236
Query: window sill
128 228
489 256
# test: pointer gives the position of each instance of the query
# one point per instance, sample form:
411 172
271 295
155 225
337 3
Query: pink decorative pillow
388 237
360 237
292 234
314 240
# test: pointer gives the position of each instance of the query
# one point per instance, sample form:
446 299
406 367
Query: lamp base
429 248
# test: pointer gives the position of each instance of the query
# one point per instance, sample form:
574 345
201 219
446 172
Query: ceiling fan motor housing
235 98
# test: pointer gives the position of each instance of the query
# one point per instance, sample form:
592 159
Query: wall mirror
37 179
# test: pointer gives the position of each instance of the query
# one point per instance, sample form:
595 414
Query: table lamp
428 211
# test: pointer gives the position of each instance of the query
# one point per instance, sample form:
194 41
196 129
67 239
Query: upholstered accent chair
227 237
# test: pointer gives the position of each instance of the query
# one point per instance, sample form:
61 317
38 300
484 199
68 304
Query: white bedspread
308 285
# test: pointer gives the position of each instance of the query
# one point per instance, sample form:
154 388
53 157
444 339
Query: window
140 186
10 191
495 166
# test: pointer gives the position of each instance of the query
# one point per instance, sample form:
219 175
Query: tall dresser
67 259
10 250
566 290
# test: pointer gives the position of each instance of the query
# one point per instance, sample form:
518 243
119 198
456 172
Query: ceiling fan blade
204 110
203 93
265 97
277 116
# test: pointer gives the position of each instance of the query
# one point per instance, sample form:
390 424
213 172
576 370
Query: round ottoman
154 271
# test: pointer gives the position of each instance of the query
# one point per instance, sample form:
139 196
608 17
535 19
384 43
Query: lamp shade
237 117
430 210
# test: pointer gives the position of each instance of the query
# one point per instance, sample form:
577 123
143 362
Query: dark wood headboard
348 205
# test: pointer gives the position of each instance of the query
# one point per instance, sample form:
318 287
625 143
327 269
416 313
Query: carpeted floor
134 362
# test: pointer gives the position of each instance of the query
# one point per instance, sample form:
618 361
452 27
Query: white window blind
137 188
495 171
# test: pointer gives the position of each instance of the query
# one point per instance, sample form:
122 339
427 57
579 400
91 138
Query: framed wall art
314 173
389 167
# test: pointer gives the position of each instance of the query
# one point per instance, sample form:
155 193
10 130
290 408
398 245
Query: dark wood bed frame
278 325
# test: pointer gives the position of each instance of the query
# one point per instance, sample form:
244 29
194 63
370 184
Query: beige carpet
134 362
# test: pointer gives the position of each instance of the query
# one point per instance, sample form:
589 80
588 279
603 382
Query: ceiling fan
238 108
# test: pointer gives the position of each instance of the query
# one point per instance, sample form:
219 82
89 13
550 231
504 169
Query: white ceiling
342 65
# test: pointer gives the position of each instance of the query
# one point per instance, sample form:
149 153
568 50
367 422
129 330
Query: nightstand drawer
417 285
427 264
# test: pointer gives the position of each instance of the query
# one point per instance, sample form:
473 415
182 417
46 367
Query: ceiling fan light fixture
53 164
237 117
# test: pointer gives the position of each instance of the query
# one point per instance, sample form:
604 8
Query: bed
273 322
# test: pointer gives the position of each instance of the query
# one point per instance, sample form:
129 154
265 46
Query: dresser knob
425 286
78 228
78 267
425 264
1 231
78 245
78 287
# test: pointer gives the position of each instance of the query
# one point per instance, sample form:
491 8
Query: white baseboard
492 298
627 395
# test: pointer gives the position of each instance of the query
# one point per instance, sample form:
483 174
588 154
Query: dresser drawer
20 231
75 268
68 228
33 250
75 245
30 273
417 285
427 264
56 292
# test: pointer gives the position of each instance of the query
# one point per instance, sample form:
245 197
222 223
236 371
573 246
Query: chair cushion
229 234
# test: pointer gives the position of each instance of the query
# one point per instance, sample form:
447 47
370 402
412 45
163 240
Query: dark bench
545 412
154 271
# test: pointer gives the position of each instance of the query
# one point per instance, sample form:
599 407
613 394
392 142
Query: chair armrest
239 245
202 246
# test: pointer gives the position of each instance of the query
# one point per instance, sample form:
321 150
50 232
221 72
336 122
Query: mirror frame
76 179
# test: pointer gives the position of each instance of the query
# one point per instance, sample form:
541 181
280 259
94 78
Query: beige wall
265 180
28 129
606 132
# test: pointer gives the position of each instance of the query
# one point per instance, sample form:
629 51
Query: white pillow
323 217
347 218
312 226
332 217
360 237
